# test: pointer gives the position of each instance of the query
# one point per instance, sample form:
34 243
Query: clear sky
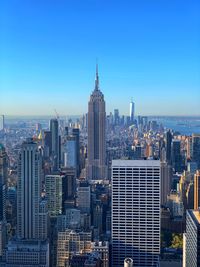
148 50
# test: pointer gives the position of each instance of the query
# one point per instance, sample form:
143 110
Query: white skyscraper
132 111
136 212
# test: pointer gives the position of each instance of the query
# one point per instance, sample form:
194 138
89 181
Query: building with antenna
96 165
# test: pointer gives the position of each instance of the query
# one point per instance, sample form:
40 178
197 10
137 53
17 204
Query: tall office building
30 209
197 190
84 197
191 253
168 146
70 152
196 149
76 133
176 157
54 143
116 116
132 111
2 123
47 143
136 212
166 180
3 180
96 166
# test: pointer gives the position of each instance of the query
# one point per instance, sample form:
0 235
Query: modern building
132 111
197 190
29 192
84 197
192 239
176 155
69 187
168 146
3 180
96 165
136 212
166 180
54 194
47 143
55 143
70 152
196 149
76 133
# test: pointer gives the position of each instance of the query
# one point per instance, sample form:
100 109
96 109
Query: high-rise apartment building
191 253
96 165
54 193
54 143
28 192
197 190
136 212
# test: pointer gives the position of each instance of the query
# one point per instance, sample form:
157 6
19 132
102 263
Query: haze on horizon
147 50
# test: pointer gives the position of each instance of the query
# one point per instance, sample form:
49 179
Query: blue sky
148 50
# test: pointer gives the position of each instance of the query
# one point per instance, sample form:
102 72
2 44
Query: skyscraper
197 190
168 146
54 143
3 180
191 253
28 192
136 212
132 111
196 149
53 186
96 166
176 156
76 133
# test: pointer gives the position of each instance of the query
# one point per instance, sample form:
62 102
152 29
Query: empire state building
96 165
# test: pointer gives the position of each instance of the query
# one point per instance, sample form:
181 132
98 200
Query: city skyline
146 52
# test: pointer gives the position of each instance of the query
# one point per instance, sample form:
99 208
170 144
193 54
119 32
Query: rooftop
135 163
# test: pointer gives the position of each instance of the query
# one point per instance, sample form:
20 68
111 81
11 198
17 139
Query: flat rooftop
135 163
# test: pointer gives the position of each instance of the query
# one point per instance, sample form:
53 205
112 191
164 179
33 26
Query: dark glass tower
54 143
96 166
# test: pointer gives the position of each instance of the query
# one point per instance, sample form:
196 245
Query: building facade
192 239
136 212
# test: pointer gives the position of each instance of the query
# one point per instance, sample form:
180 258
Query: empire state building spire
97 79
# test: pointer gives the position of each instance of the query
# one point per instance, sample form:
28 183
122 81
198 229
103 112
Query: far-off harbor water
184 125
